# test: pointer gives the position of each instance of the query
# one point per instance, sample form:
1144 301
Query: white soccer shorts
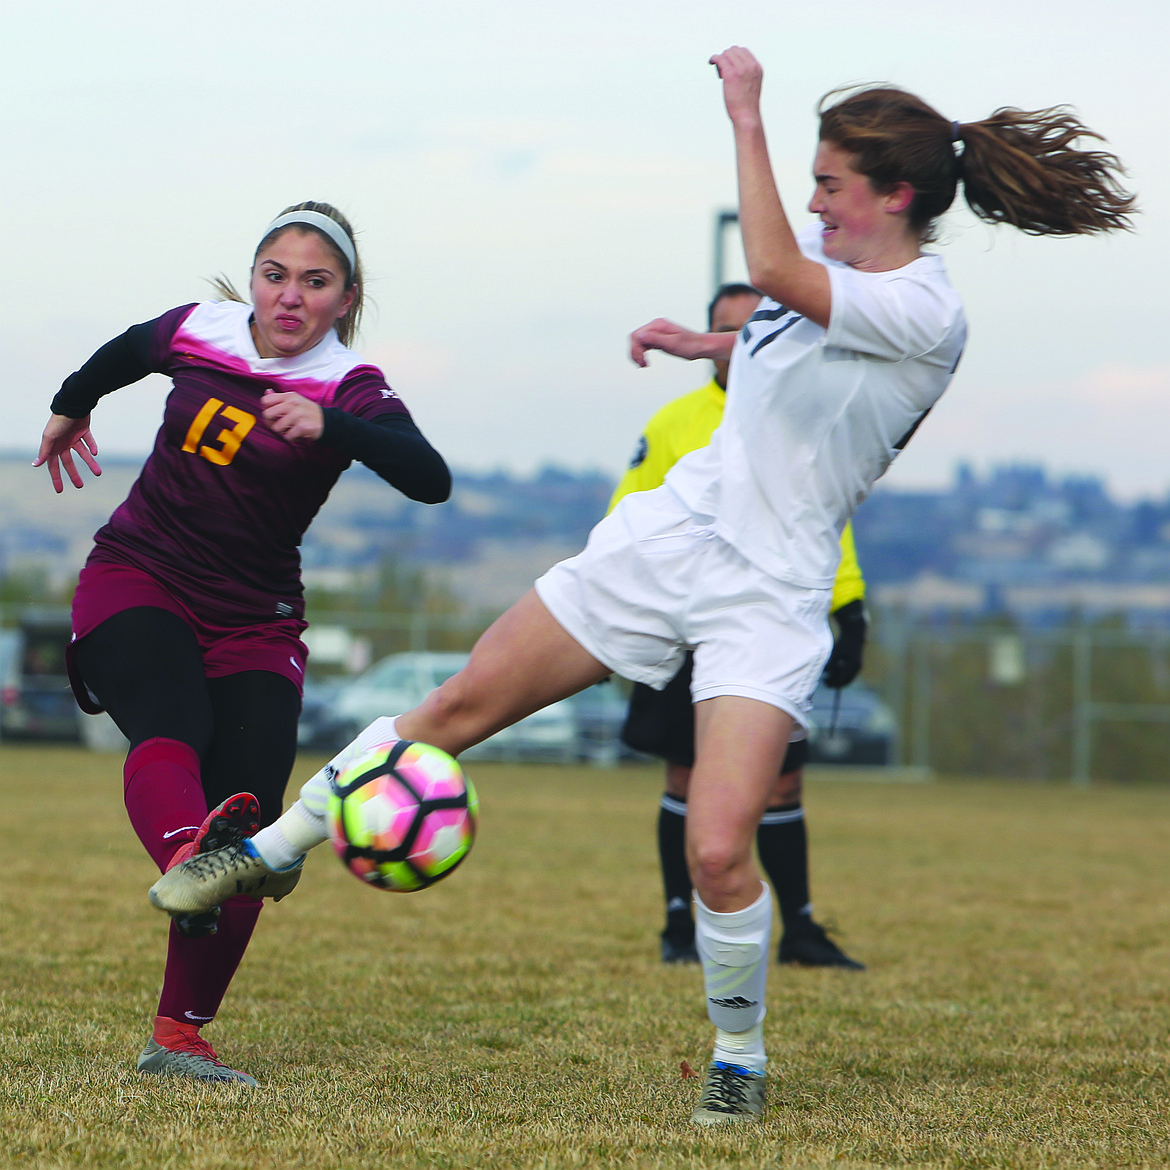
654 581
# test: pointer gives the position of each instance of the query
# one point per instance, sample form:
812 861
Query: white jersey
814 416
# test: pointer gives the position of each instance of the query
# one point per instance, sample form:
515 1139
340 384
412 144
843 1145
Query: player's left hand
292 415
743 78
844 663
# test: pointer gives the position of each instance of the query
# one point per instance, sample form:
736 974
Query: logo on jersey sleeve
640 453
764 334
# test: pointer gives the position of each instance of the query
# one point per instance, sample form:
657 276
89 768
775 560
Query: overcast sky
530 181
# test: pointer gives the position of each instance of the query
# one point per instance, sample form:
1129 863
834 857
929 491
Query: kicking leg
524 661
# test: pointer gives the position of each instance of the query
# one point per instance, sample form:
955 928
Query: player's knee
712 861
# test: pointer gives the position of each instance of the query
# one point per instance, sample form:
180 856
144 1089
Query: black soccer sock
676 878
783 844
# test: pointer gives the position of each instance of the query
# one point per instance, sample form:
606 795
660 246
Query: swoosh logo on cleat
184 829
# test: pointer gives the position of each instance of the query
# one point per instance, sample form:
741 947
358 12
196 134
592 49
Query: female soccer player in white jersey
734 555
188 613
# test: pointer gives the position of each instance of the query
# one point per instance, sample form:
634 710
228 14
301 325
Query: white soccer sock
289 838
743 1048
303 826
734 952
315 790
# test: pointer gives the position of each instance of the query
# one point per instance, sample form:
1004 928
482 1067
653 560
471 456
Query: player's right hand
62 436
677 341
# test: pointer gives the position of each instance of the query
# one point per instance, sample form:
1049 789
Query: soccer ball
401 815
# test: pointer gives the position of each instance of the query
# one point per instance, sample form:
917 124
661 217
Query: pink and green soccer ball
401 815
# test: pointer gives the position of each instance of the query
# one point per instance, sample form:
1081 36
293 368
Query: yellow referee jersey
685 424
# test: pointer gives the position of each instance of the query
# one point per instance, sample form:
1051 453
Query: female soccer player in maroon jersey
188 613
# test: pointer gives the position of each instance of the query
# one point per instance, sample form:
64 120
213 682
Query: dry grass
1015 1012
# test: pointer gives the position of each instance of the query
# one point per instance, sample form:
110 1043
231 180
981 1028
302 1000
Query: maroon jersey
219 510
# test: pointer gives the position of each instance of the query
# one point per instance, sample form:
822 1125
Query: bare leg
523 662
789 874
740 746
741 743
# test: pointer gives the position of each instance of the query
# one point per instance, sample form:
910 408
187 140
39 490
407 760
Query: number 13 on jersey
229 439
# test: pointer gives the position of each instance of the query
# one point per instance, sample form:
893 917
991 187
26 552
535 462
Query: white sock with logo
734 952
302 828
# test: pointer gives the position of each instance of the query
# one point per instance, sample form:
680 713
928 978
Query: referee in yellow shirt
661 723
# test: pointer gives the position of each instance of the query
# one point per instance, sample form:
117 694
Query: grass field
1015 1012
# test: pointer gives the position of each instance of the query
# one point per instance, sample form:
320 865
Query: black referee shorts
662 723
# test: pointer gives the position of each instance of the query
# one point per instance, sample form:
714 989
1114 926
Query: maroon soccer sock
164 796
199 970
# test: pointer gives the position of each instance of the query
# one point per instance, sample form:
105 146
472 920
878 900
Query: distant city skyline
1039 546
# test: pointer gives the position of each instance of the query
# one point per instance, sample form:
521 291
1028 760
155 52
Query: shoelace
191 1044
220 861
726 1092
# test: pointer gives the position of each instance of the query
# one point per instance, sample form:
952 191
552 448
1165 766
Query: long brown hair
1018 167
347 326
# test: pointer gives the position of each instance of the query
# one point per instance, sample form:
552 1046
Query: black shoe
197 925
677 951
678 937
810 946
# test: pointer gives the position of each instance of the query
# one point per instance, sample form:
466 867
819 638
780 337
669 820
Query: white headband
330 227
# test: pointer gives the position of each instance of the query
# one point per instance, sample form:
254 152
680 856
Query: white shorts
654 581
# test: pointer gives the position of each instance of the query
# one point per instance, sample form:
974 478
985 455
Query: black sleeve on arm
119 362
392 447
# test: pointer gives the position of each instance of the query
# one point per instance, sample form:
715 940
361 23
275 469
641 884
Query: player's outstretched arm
776 265
674 339
62 436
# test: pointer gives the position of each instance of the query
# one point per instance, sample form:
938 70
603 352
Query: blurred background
530 183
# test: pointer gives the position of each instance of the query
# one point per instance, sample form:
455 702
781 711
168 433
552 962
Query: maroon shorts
105 588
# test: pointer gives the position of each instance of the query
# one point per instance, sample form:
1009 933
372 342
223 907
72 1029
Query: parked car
600 712
35 699
402 681
321 728
857 728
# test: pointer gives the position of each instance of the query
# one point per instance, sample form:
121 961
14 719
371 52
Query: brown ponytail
1020 167
1017 167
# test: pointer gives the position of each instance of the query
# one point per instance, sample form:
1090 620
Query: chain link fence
1079 703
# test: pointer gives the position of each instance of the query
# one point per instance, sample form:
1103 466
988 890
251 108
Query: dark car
851 726
320 728
599 713
35 699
